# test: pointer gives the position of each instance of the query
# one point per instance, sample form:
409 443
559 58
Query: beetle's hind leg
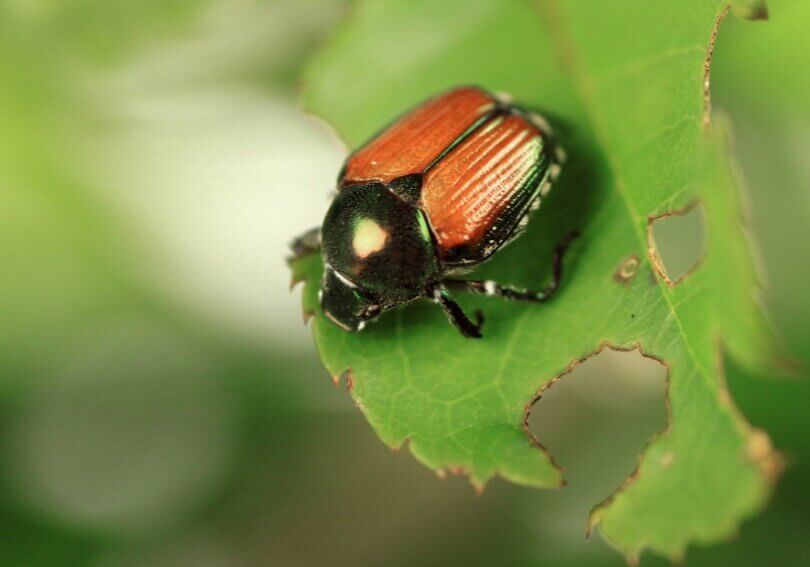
491 288
306 244
456 314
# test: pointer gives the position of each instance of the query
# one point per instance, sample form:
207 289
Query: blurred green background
161 402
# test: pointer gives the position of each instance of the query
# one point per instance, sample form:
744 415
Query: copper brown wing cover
414 141
476 195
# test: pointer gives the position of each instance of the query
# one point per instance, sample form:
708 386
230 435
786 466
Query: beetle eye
370 312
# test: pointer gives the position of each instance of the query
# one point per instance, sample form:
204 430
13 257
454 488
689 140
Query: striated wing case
476 196
412 143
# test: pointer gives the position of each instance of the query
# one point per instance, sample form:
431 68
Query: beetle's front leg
306 244
489 287
456 314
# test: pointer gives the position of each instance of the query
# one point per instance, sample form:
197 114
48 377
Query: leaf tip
631 556
345 376
760 451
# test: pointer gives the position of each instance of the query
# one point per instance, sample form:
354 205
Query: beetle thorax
379 243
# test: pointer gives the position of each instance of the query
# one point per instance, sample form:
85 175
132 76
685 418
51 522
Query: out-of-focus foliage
159 401
96 31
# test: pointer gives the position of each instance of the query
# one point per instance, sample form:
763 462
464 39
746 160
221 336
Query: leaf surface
626 85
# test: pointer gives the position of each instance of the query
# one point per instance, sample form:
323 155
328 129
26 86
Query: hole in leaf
678 242
595 422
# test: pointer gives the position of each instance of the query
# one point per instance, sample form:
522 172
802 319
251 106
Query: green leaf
627 85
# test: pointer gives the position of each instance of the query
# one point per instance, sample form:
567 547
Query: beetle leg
306 244
456 314
489 287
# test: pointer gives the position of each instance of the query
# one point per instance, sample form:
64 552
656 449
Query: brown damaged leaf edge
592 521
462 470
570 368
707 64
346 376
442 473
758 449
593 517
652 249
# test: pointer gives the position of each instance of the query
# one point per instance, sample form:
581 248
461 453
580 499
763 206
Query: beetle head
346 305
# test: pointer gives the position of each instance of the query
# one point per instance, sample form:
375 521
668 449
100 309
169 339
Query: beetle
437 192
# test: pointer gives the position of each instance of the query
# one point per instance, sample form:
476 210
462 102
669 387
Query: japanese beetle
437 192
